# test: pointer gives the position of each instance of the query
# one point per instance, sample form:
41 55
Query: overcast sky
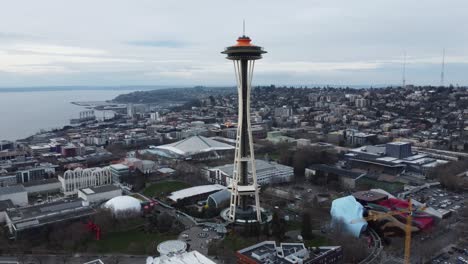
156 42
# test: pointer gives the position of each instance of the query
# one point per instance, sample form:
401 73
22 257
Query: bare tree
354 249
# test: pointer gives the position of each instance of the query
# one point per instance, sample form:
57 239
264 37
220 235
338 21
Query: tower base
247 216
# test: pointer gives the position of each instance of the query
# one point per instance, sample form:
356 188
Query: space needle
244 54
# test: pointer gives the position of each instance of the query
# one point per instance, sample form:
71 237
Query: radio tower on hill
404 70
442 72
244 54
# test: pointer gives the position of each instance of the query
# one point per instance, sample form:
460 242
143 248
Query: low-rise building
267 173
346 177
7 180
21 220
268 252
16 193
73 180
43 186
99 194
118 171
194 194
31 174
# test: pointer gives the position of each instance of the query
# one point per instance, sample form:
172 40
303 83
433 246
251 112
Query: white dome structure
123 204
172 247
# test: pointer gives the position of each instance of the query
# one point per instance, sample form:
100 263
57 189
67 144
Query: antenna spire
443 69
404 70
243 27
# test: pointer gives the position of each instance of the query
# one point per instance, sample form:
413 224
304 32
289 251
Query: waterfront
23 114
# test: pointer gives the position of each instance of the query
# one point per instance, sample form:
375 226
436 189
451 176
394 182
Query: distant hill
180 95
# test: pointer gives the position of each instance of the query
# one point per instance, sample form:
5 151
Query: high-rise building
361 102
244 54
130 110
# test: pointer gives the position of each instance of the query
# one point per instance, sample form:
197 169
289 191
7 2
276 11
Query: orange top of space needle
244 49
243 41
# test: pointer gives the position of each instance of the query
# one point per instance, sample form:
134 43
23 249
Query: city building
376 159
346 177
277 137
268 172
98 194
16 193
194 194
268 252
6 145
21 220
118 171
219 199
73 180
45 186
356 138
12 155
7 180
34 173
361 102
283 112
399 150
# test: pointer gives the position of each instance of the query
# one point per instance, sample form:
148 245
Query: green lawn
130 242
317 241
293 225
164 188
236 242
392 187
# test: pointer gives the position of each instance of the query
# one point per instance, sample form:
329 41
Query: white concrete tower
244 54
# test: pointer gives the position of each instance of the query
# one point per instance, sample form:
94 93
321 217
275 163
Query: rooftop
197 190
99 189
12 189
41 182
5 204
261 166
192 257
194 145
369 196
336 170
267 252
33 216
119 167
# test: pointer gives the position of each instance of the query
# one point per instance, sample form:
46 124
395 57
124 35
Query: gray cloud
158 42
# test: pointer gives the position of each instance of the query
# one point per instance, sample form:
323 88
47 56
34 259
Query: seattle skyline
310 42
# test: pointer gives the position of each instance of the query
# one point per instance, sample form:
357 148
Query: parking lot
452 254
441 200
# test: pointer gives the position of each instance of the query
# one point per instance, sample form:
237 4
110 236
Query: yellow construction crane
408 227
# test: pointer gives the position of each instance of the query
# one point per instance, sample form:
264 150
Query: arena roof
193 191
194 145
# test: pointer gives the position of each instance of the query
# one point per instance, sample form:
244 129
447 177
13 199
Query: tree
153 222
256 230
278 226
165 222
306 226
266 230
354 249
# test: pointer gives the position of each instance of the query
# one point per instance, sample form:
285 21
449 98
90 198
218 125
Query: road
198 238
